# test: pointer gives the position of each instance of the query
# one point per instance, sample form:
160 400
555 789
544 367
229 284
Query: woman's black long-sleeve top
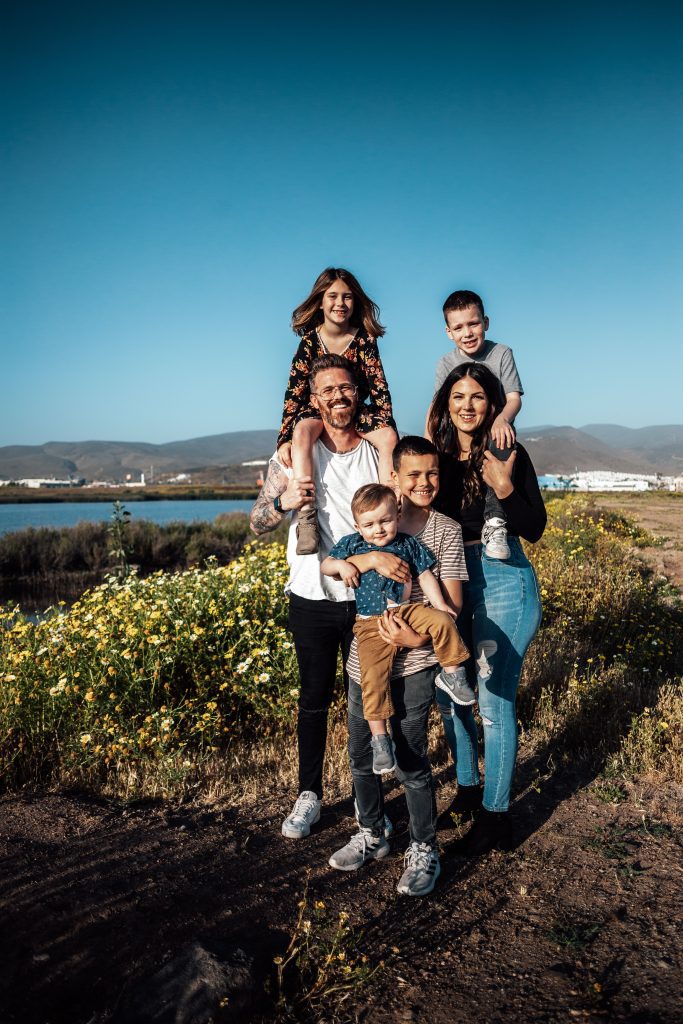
524 508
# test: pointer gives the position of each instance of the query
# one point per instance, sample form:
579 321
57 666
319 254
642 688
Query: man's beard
339 418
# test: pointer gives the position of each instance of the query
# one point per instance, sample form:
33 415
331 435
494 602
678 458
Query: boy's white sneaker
422 869
361 847
306 812
494 537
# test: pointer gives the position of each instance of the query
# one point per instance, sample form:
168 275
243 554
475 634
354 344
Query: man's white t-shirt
337 475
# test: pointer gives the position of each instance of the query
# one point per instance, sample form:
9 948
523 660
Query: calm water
18 517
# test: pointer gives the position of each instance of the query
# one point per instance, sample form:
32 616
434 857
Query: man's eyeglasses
345 390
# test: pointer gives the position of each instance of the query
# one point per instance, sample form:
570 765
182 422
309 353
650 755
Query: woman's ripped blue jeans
500 617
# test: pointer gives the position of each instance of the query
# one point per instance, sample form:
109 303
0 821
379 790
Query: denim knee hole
485 650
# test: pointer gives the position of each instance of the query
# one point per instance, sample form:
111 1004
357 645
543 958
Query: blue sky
176 175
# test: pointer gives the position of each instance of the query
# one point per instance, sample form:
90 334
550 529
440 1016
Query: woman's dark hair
365 312
444 434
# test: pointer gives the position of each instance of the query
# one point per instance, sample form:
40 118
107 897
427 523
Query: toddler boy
375 515
466 326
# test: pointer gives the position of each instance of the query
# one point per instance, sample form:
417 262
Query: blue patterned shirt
376 592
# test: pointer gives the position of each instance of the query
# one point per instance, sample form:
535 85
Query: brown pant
376 656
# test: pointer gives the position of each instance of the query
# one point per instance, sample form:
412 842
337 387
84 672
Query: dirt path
580 921
662 514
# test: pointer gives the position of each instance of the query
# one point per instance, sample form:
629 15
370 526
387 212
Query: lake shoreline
108 495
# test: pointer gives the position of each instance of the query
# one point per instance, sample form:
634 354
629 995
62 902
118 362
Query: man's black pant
320 629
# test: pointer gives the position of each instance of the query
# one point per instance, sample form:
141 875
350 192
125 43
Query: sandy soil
662 514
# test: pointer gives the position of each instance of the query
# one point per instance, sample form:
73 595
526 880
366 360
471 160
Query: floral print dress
374 400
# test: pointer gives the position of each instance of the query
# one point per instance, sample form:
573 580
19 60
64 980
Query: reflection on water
34 597
34 594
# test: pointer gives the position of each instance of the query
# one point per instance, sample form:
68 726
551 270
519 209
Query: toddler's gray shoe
307 532
422 869
306 812
456 686
361 847
494 537
383 755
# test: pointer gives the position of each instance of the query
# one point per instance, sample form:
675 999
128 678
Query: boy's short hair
411 444
460 300
369 496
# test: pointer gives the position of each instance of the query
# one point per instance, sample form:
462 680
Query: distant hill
553 450
655 444
623 450
113 460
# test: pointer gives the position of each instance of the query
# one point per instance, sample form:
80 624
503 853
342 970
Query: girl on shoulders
337 317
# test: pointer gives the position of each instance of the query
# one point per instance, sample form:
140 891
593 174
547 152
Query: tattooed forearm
264 516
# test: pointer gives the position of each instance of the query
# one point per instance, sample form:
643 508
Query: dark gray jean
492 506
412 697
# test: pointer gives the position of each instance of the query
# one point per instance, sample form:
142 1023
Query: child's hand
284 455
443 607
502 432
348 573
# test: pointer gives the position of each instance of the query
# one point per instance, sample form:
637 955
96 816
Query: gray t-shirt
498 358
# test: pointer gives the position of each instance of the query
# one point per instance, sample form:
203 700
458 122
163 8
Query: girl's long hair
365 312
444 434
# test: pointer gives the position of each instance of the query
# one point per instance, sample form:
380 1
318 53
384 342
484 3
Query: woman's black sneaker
463 807
491 831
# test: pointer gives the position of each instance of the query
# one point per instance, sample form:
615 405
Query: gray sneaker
494 537
388 823
361 847
306 812
422 869
456 686
383 756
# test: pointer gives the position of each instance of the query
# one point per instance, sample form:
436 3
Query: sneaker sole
456 700
297 833
379 855
405 891
383 771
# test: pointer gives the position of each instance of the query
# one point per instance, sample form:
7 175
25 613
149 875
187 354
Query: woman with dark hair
337 317
501 610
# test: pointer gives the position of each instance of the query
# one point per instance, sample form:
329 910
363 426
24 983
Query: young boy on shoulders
466 326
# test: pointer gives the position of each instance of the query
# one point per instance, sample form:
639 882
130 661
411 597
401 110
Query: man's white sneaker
422 869
361 847
494 537
306 812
